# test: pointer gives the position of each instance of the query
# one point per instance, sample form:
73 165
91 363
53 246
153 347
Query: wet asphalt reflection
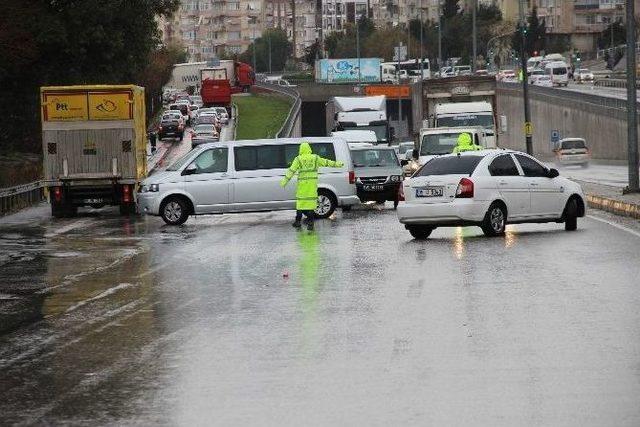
241 320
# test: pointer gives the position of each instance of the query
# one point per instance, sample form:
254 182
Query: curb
614 206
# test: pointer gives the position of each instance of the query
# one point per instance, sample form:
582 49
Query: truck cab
468 114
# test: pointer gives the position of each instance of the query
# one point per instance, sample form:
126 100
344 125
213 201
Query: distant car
203 133
171 124
572 151
184 109
506 74
544 81
209 118
284 83
582 75
535 75
490 189
378 173
223 115
196 100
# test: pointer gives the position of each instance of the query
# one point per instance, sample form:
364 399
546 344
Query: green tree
535 34
274 41
616 29
450 8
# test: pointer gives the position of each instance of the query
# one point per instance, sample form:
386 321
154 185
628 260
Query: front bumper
149 203
388 192
458 212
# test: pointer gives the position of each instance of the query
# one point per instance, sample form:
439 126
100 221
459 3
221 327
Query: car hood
378 171
163 177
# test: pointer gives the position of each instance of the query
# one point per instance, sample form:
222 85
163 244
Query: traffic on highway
380 240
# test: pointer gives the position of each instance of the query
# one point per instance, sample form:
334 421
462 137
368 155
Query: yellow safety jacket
306 165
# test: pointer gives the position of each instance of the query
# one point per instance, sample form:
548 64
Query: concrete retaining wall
600 120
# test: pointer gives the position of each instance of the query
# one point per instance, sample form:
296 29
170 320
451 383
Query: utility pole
421 49
632 109
293 28
399 99
255 69
525 78
358 49
269 41
474 6
440 37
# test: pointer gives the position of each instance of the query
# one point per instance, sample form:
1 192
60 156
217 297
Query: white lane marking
99 296
67 228
613 224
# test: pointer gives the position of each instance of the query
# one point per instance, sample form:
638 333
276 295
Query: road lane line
613 224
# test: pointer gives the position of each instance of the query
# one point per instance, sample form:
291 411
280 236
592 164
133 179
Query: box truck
359 113
94 145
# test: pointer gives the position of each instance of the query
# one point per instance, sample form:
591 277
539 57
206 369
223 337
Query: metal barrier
288 127
618 83
15 198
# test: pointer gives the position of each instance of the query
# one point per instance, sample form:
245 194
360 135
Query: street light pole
525 86
632 109
474 5
440 37
358 50
421 49
269 41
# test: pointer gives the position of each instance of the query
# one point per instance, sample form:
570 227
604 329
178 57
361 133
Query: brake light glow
57 193
352 177
401 193
126 194
465 189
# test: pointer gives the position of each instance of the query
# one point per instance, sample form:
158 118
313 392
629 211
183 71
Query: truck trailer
94 146
359 113
474 96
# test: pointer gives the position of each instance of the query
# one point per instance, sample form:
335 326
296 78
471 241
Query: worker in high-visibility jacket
465 143
306 165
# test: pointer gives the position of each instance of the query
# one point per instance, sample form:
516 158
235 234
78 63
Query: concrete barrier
600 120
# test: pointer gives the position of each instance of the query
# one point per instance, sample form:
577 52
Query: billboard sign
346 70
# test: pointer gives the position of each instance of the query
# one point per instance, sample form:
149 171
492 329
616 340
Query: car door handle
503 183
534 184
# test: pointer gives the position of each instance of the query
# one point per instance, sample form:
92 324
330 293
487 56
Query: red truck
219 83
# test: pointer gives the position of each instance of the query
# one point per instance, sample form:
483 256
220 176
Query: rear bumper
575 159
458 212
348 200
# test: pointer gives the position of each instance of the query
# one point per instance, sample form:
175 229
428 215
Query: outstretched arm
295 166
326 163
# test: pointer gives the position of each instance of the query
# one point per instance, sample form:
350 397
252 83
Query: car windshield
204 128
450 165
442 143
380 130
583 70
374 158
480 119
573 143
559 71
169 118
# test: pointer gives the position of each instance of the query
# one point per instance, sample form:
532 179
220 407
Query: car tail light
57 193
465 189
126 193
401 193
160 128
352 177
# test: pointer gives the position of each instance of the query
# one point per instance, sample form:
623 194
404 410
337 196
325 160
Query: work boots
309 223
296 224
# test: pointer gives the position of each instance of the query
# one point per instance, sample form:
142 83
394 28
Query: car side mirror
190 170
553 173
404 162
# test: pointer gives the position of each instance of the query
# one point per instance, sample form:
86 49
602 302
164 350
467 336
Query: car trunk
432 188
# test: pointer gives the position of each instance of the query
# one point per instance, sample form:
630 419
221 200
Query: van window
212 161
259 157
322 149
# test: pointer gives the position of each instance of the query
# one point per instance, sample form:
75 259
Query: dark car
172 125
378 173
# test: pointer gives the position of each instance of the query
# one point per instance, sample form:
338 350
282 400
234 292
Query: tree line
68 42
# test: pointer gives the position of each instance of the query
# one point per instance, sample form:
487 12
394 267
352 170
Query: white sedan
489 189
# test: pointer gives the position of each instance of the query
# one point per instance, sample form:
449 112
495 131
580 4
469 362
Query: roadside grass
260 115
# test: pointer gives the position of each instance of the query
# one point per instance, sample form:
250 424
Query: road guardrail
288 126
18 197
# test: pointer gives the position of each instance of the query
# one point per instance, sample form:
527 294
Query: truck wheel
174 211
420 232
326 204
127 209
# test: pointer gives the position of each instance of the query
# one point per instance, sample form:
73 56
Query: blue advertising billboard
346 70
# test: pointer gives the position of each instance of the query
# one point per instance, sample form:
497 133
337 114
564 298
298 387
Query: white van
244 176
440 141
357 138
559 72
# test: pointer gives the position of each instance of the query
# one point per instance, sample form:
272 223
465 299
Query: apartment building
279 14
337 13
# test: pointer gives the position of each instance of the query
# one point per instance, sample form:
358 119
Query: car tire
174 211
495 220
420 232
327 204
571 215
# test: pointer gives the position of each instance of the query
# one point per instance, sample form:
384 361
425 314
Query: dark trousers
308 214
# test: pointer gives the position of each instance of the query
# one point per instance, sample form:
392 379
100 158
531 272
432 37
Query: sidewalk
611 199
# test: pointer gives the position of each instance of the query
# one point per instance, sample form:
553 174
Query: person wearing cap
306 165
465 143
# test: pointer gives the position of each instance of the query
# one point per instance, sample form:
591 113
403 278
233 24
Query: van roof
277 141
556 64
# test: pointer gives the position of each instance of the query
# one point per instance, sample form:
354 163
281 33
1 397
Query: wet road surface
240 320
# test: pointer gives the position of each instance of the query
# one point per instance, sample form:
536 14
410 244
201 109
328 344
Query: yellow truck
94 145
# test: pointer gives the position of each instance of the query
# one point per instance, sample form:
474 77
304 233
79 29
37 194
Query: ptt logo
106 106
62 106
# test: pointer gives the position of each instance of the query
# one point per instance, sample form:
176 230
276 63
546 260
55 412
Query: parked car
378 173
490 189
244 176
582 75
171 124
203 133
572 151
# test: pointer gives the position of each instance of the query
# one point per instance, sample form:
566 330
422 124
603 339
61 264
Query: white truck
456 114
359 113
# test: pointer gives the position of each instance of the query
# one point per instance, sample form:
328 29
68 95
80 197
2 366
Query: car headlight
395 178
150 188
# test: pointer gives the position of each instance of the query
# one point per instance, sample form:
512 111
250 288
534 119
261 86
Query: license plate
429 192
373 187
93 201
